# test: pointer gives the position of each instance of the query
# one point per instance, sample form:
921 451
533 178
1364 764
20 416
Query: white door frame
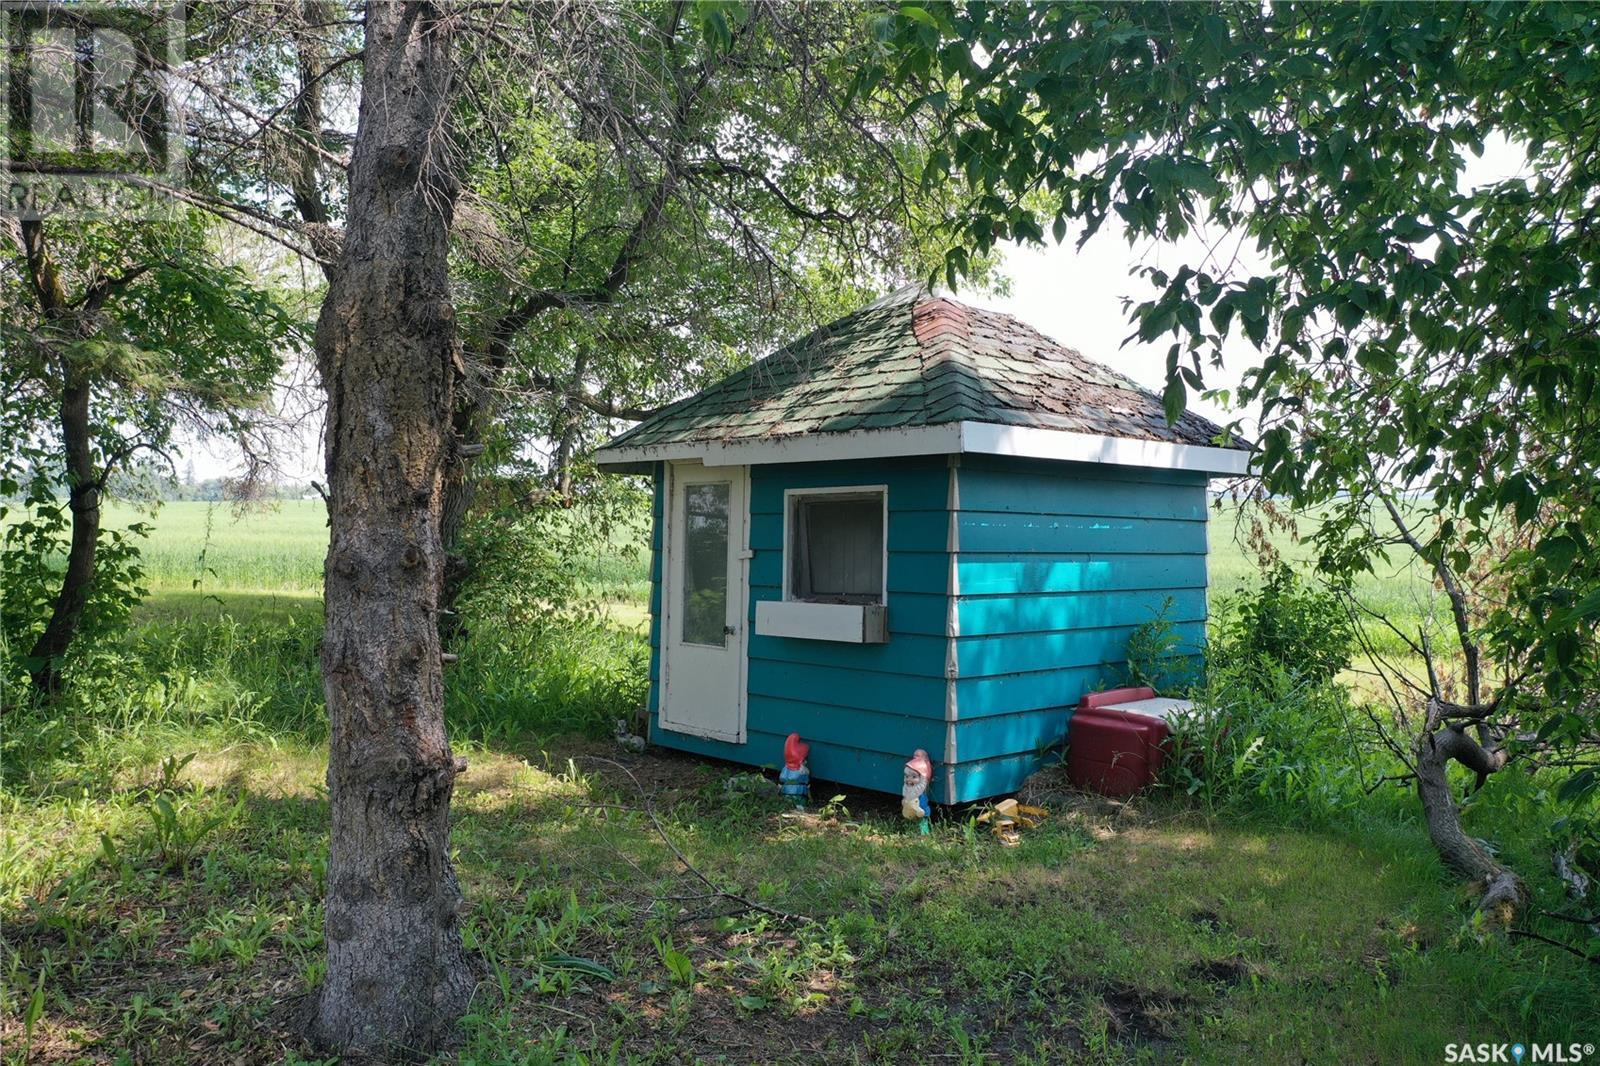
738 575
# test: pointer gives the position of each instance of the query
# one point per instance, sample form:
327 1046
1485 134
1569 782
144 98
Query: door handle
728 631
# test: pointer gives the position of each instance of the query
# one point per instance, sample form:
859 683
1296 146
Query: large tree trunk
398 977
83 502
465 423
459 489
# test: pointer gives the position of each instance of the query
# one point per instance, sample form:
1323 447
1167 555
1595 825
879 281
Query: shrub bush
1272 728
33 552
1263 736
575 678
1304 629
537 652
1158 658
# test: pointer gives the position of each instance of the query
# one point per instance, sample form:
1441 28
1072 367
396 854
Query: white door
704 600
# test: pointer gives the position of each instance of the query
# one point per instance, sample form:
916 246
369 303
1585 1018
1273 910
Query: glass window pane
837 553
705 563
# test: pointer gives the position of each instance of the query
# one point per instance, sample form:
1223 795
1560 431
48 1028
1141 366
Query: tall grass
573 679
1401 590
226 681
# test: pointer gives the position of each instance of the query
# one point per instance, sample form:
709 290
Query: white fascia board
981 438
798 448
986 438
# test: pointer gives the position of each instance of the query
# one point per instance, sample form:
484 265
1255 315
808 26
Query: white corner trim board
953 438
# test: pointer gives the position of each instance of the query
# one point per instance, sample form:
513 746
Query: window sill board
847 623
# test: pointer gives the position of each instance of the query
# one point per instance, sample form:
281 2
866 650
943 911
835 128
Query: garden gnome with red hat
914 792
794 780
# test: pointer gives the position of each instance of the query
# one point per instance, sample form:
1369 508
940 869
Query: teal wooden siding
1057 564
864 707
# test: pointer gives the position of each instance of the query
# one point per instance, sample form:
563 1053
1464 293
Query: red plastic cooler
1115 749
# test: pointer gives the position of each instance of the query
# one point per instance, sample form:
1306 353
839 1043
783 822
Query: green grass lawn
1109 935
160 908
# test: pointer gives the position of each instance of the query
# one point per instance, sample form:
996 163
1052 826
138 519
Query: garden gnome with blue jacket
794 780
914 791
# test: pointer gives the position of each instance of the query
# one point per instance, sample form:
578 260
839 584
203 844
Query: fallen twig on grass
1530 935
745 902
1576 919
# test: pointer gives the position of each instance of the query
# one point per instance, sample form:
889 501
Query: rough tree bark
83 504
83 482
1439 743
398 977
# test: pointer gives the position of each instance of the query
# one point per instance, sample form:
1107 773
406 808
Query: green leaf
1558 551
1255 328
578 965
1348 314
1174 398
1586 608
1579 786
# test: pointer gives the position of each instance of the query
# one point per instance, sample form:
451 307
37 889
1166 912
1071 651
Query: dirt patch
1140 1016
1210 921
1222 972
1391 939
1050 787
1105 816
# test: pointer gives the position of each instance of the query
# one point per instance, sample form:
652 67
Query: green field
161 865
204 554
214 557
217 558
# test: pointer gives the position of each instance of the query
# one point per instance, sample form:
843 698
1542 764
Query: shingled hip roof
918 374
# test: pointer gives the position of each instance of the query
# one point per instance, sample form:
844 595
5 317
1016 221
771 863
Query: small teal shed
925 525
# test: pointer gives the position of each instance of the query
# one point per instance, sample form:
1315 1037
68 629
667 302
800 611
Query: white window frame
789 498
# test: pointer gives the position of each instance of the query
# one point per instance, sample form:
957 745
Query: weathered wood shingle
913 359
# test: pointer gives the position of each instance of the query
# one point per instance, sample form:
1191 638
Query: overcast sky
1075 296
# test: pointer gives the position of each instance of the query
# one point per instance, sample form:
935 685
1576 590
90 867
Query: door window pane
705 563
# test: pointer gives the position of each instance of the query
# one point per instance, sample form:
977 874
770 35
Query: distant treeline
214 489
145 483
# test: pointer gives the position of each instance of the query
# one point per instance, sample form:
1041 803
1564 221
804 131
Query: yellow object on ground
1008 818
